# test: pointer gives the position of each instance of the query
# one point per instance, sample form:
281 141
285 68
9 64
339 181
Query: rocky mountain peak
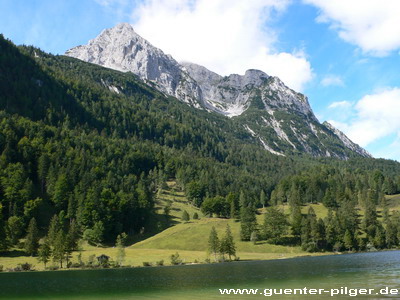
121 48
280 119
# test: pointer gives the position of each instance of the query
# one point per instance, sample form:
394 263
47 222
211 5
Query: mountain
276 117
121 48
81 142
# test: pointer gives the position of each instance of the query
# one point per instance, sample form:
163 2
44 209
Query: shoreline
154 265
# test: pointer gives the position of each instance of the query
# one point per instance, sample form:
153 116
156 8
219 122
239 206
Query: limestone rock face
275 116
121 48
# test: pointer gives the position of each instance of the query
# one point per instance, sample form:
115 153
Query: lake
377 270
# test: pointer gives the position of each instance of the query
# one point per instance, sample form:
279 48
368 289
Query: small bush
146 264
160 263
53 268
23 267
175 259
185 216
75 265
195 216
1 268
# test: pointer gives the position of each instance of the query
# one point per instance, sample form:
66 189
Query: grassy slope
188 238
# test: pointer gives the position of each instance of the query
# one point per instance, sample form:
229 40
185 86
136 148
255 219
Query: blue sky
344 55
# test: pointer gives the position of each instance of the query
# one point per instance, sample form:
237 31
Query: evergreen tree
213 242
379 240
331 229
348 240
32 238
242 200
59 248
44 252
185 216
227 244
329 199
195 216
61 192
248 222
275 224
98 233
370 219
231 199
54 228
72 236
391 234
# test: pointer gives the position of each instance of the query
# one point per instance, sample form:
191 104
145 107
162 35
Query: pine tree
71 240
275 224
213 242
379 240
59 248
348 240
195 216
227 244
32 238
391 234
248 222
331 229
72 236
44 252
54 227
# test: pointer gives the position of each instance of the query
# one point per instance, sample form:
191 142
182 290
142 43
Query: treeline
350 197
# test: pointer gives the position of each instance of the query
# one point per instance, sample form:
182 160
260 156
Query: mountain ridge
272 104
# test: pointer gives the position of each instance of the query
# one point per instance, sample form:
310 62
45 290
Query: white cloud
226 36
377 116
340 104
373 25
332 80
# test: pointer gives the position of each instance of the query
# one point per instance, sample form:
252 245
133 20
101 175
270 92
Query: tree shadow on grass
13 253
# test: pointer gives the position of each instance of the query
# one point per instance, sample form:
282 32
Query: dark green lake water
366 270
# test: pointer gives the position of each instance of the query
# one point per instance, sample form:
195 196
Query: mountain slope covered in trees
84 149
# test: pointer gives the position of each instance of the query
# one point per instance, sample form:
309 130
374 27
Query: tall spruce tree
275 224
248 222
59 248
213 242
227 244
44 252
54 228
32 238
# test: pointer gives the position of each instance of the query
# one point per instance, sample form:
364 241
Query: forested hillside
84 149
